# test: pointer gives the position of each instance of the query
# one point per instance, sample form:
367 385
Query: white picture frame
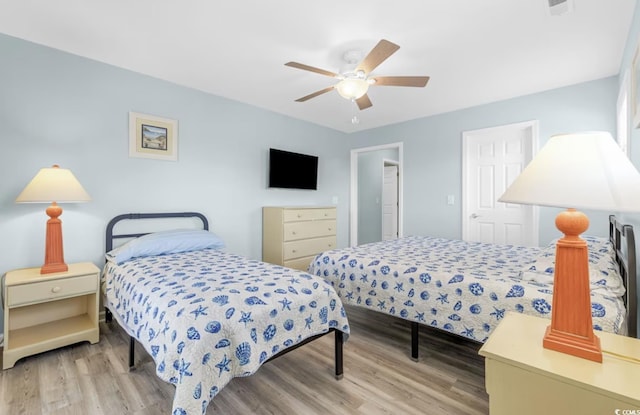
153 137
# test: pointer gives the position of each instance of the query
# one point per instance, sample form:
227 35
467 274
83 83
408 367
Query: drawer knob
293 233
55 290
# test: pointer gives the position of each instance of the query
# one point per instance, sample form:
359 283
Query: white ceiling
475 51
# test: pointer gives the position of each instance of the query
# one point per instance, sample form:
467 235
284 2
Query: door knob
474 216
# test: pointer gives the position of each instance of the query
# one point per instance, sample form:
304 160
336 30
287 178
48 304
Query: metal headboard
110 236
623 239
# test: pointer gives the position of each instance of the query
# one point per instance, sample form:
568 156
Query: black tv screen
292 170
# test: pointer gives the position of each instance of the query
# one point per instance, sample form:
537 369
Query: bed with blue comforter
206 316
465 287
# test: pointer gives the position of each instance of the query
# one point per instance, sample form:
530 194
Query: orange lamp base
571 329
53 254
563 342
51 268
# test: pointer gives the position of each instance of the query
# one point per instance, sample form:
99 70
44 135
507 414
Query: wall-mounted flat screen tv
292 170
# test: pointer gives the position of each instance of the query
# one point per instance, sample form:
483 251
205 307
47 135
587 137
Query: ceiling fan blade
311 69
378 54
418 81
364 102
315 94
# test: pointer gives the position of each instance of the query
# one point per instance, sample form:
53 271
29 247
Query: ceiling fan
354 83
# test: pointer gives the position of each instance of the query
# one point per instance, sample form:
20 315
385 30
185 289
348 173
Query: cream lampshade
588 171
52 185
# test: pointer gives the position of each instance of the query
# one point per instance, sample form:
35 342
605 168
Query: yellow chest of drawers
43 312
292 236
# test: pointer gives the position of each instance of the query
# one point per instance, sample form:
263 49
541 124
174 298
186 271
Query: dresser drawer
312 229
307 247
50 290
292 215
301 264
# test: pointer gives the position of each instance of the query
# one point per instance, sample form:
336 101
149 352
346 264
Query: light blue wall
432 150
60 108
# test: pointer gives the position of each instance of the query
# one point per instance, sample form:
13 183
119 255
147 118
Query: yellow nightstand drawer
46 311
50 290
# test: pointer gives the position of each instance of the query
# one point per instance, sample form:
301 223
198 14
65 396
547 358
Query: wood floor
379 377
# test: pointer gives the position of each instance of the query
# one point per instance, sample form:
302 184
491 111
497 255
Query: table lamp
585 171
52 185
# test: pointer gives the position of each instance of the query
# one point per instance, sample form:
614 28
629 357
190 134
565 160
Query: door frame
533 149
385 163
353 190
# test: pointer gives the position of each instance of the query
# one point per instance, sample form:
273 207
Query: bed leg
338 354
414 341
132 347
108 317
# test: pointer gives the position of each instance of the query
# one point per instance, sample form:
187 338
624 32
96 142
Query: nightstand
524 378
46 311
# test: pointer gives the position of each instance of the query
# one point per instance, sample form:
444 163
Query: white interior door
390 202
492 159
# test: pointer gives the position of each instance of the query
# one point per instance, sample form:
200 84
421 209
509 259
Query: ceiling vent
559 7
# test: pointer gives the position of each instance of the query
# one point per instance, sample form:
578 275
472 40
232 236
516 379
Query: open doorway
366 216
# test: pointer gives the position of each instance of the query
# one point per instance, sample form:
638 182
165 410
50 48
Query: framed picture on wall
635 87
153 137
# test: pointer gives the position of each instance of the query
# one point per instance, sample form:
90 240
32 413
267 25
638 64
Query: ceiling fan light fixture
353 81
352 88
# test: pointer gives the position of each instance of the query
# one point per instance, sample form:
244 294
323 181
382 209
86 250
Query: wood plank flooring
379 377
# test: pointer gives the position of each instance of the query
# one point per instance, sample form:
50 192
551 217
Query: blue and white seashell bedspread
207 316
462 287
